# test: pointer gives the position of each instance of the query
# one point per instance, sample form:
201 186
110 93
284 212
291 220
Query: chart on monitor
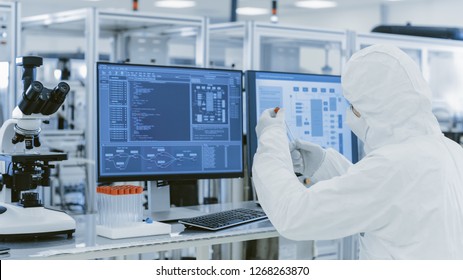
315 108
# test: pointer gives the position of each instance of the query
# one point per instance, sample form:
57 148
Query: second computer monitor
315 108
159 122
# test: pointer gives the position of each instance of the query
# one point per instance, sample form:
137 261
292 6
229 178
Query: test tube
112 213
99 204
139 203
289 133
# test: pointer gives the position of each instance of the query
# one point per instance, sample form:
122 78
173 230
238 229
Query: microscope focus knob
29 142
36 141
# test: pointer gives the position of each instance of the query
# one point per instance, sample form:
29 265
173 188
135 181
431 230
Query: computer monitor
159 122
315 108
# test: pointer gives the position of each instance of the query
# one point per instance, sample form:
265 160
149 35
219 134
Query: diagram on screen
314 111
151 158
209 104
317 117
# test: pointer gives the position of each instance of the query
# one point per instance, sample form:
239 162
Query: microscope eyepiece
39 100
56 99
30 101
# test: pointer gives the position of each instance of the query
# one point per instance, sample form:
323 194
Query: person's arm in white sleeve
334 164
273 173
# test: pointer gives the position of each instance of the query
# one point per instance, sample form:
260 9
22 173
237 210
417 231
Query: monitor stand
159 205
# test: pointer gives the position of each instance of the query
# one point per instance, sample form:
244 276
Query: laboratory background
125 123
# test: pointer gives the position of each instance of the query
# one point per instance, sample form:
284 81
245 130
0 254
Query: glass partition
445 79
9 34
261 46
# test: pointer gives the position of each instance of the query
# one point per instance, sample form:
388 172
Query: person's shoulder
390 154
415 151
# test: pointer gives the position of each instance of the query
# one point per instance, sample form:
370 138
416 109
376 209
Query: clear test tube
101 204
115 207
133 204
120 207
139 204
101 195
289 133
112 209
106 197
134 200
106 203
127 209
98 203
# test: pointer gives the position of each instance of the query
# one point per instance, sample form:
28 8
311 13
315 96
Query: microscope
22 169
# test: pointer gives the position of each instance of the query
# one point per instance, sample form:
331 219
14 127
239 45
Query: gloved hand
269 119
307 157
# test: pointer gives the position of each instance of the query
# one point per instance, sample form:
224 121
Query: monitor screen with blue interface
315 108
159 122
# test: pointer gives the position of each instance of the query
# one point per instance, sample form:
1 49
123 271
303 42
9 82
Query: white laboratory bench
85 244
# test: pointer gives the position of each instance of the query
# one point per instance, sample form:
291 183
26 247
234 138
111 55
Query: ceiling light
251 11
315 4
175 4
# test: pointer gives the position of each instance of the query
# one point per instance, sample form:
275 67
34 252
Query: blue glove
307 157
269 119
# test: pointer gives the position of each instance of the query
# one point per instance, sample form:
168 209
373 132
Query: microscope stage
25 158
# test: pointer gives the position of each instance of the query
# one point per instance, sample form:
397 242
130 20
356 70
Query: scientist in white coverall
404 198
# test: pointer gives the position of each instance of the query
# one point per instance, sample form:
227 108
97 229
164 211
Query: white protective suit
405 196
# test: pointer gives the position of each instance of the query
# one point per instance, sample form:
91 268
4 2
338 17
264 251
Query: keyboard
225 219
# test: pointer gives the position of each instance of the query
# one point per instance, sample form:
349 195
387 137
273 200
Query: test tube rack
121 213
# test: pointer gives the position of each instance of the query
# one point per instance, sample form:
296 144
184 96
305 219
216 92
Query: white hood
387 88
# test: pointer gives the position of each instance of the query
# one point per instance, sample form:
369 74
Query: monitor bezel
178 176
251 137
